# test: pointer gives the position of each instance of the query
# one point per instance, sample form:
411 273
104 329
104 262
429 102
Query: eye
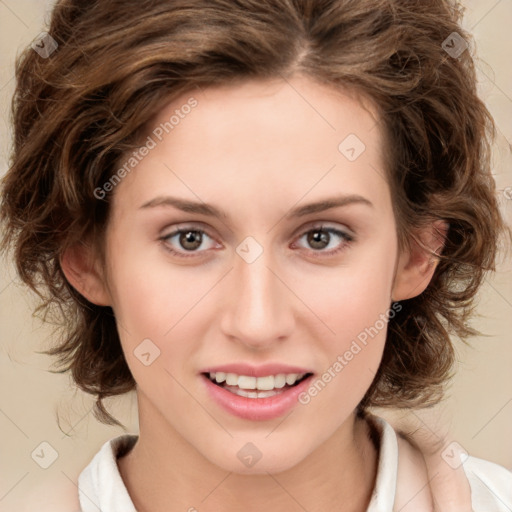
186 240
190 240
321 237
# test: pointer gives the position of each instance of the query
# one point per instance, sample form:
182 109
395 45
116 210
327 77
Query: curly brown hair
78 111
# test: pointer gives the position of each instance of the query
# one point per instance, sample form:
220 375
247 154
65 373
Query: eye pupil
318 236
193 237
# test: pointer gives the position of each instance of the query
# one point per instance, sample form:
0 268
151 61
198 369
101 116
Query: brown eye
319 238
190 240
181 241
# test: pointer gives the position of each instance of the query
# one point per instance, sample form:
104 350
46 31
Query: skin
255 150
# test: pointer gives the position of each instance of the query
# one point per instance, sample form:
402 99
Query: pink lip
257 409
256 371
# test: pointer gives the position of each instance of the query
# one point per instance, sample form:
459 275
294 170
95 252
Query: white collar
383 495
101 486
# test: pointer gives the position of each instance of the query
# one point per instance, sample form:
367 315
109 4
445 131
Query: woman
255 214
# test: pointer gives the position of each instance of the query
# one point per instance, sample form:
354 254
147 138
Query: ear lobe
79 267
416 267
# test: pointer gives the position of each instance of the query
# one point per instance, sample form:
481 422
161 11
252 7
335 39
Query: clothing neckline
94 494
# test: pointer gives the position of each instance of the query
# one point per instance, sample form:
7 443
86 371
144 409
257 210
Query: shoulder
432 474
100 485
457 481
491 485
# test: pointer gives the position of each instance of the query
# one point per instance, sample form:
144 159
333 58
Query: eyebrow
210 210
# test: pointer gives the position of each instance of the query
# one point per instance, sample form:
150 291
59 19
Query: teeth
247 382
231 379
253 394
219 377
291 378
266 383
280 381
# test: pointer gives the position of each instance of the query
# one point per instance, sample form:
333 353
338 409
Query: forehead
293 109
259 140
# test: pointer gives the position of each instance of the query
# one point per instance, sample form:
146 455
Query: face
266 288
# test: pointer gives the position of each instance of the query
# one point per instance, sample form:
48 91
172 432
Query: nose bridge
259 311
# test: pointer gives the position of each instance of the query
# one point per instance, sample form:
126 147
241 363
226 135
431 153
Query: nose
259 309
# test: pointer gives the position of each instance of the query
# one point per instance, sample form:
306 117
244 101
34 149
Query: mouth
256 398
256 387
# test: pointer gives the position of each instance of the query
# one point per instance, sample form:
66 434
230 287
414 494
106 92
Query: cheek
358 315
352 298
354 303
150 295
155 302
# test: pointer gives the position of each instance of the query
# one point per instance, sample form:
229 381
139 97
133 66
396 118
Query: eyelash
348 239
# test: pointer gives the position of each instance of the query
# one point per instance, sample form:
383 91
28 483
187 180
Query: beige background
478 408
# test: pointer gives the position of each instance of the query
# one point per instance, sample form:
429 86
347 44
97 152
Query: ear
83 272
416 266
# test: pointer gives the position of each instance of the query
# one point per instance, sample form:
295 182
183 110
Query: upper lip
256 371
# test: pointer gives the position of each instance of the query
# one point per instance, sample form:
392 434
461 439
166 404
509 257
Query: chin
248 459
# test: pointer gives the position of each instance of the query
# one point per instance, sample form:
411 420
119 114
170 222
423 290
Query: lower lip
256 409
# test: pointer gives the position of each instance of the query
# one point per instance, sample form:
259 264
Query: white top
101 487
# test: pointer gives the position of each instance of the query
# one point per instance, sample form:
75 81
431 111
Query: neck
164 472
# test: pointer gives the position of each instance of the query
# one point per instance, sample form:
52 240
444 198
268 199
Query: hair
76 113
